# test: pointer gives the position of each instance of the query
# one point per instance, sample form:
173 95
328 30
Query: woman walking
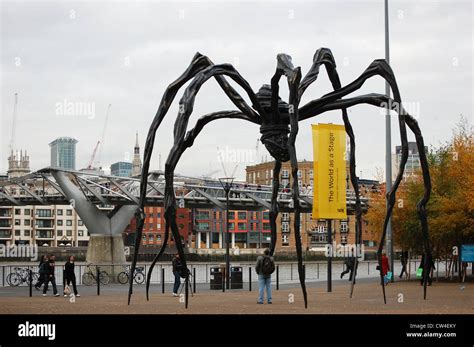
70 275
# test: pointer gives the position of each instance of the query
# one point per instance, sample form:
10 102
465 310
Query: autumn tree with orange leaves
451 206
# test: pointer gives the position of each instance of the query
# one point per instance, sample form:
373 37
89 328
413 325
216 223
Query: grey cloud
84 59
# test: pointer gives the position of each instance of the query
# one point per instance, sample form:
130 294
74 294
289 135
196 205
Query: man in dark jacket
264 268
49 275
177 269
42 272
403 261
349 263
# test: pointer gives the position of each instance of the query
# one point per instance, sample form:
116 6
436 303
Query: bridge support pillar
105 227
106 249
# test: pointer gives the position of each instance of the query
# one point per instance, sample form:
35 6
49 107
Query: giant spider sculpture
278 123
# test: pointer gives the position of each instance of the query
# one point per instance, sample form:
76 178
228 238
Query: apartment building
314 233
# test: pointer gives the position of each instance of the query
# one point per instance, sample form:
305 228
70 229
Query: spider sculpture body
278 123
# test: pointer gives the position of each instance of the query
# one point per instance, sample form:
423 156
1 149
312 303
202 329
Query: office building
63 153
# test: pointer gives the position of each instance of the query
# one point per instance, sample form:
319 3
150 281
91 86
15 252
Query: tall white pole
388 144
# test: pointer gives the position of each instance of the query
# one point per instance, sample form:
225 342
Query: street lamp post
388 144
226 183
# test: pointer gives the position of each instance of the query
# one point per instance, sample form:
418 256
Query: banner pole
329 272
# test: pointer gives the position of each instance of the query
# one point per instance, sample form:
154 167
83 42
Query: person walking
385 268
49 275
265 267
421 266
349 262
70 275
404 261
177 269
42 272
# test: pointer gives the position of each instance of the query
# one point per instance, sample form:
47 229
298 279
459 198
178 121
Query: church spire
137 162
137 146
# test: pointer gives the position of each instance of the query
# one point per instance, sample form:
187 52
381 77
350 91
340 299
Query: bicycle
138 277
90 277
20 276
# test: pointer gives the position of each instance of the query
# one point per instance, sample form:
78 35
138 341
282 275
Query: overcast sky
125 54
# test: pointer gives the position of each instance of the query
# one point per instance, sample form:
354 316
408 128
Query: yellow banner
329 171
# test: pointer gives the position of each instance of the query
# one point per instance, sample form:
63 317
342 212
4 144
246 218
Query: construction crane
15 107
103 135
256 150
211 172
223 166
93 156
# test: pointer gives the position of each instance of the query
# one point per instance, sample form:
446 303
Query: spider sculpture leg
294 167
198 63
170 201
186 107
277 168
293 75
378 67
285 67
325 56
274 204
380 100
421 205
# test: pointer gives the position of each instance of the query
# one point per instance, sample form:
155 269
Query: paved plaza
402 298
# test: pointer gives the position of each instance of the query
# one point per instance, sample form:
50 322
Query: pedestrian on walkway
385 268
177 269
50 276
42 272
70 275
349 263
404 261
265 267
432 267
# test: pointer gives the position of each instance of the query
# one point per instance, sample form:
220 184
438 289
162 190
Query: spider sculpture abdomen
275 129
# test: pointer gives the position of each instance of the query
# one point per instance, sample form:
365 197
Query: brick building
313 232
248 229
154 227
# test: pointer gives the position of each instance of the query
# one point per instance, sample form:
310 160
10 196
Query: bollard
30 275
162 280
223 280
194 280
318 270
250 279
368 268
278 278
98 280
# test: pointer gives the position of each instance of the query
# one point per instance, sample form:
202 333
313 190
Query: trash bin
236 280
216 278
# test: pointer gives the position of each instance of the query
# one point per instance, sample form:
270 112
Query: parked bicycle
20 276
90 276
138 276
